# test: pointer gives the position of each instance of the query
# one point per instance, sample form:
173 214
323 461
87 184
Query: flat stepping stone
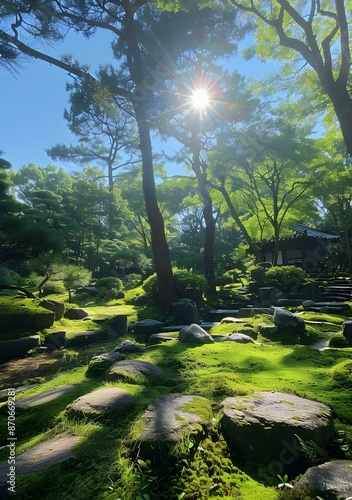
241 338
87 337
331 480
41 456
262 426
103 402
218 314
148 326
135 371
159 338
170 419
44 397
129 347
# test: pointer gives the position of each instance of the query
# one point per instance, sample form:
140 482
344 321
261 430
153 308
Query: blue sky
34 97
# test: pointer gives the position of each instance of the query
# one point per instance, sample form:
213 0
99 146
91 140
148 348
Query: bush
108 288
183 280
132 280
338 340
224 279
52 287
9 277
286 278
342 375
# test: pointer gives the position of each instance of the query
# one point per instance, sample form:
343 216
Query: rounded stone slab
332 479
262 426
108 401
41 456
43 397
129 347
135 371
241 338
170 419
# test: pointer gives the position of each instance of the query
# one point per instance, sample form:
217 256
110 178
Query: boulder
119 324
99 364
17 348
135 371
331 480
194 334
185 312
43 320
54 305
55 340
75 313
347 331
110 401
171 419
262 427
269 296
267 330
148 326
285 320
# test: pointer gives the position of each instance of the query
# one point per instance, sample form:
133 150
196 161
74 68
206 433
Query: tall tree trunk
343 109
253 248
209 242
167 290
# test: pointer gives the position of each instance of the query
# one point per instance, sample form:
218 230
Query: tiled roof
302 229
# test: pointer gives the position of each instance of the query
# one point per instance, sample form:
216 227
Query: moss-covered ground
102 467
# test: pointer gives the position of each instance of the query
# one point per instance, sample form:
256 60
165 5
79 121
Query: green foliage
52 287
224 279
132 280
338 340
286 278
108 288
9 277
341 375
183 279
313 453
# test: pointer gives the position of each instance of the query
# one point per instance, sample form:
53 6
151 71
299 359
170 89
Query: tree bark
167 289
209 241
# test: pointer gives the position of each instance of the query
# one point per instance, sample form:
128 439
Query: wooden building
307 248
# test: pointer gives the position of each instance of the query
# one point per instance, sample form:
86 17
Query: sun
200 99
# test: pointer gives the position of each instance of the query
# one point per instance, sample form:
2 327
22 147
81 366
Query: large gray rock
331 480
135 371
287 321
148 326
110 401
170 419
55 340
120 324
75 313
347 331
195 334
185 312
54 305
262 427
17 348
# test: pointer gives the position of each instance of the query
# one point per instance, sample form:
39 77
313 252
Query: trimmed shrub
132 280
341 375
224 279
108 288
287 278
52 287
338 340
184 280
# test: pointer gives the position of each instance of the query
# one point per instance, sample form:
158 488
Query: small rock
230 319
129 347
75 313
241 338
99 364
135 371
148 326
103 402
